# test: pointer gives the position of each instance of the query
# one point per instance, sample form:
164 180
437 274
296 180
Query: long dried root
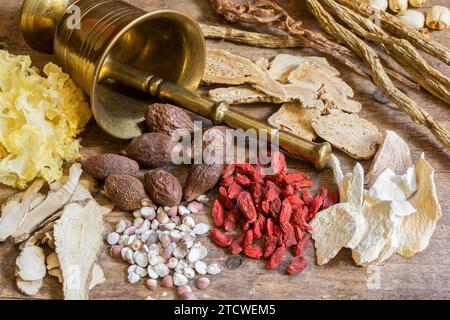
380 78
399 49
399 29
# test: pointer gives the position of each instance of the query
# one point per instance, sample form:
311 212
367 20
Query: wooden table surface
423 276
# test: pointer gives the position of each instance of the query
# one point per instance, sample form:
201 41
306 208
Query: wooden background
423 276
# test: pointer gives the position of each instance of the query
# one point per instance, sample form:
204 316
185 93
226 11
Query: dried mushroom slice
31 264
394 154
78 239
223 67
350 133
416 230
293 118
334 228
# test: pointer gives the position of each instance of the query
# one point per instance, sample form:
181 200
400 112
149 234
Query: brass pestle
97 40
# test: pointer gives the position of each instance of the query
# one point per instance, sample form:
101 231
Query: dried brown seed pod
168 119
163 188
201 178
152 149
126 192
108 164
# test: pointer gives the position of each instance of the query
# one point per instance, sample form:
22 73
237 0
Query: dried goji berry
301 185
330 200
237 244
269 226
275 208
242 180
299 215
270 244
228 170
287 191
278 163
256 192
272 191
245 224
301 245
275 259
286 211
223 198
314 207
307 197
220 238
293 177
257 230
248 238
298 232
227 181
232 218
251 171
245 203
265 206
295 200
218 213
288 235
297 265
253 252
234 189
262 222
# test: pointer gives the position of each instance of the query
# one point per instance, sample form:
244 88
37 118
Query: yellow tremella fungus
40 119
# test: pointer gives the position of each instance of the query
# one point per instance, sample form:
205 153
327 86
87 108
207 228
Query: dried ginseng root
273 212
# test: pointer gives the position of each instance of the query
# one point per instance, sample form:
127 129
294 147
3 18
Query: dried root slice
98 277
382 236
350 133
55 200
416 230
30 288
293 118
339 226
271 87
394 154
389 187
334 90
17 207
341 180
31 264
78 238
57 273
244 94
223 67
81 193
355 187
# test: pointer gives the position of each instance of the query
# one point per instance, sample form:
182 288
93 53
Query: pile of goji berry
275 208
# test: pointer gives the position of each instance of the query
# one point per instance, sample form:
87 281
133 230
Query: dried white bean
162 270
194 254
133 277
200 267
112 238
154 225
214 269
152 273
140 259
140 271
189 221
202 198
201 229
121 226
148 213
182 210
189 273
172 263
179 279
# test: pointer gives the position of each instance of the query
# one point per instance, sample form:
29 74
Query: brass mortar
137 49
